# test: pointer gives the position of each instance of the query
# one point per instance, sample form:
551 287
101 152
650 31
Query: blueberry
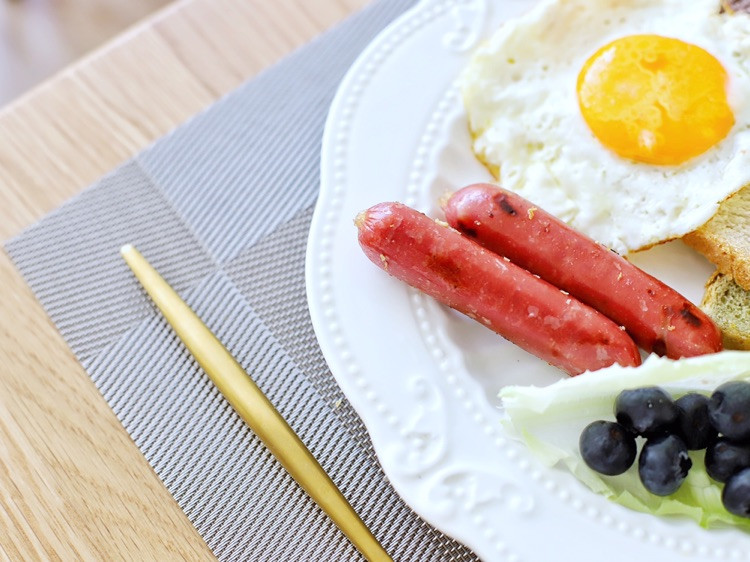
729 410
646 411
663 464
736 494
607 447
724 458
692 422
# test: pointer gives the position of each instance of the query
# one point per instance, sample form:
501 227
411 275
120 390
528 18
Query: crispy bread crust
725 239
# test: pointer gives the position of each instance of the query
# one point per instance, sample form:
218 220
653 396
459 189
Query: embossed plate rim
390 349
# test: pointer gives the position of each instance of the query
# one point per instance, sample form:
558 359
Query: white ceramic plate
423 378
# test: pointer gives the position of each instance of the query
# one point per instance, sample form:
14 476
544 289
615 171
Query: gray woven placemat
222 208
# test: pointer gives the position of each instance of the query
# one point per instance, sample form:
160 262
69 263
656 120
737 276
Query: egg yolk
655 99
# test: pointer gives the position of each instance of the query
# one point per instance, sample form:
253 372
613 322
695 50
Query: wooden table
72 483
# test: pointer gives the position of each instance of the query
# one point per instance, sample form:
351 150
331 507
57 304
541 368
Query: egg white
520 95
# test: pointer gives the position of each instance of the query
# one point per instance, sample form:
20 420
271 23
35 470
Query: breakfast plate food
425 379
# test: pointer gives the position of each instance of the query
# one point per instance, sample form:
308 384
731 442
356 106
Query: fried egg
628 119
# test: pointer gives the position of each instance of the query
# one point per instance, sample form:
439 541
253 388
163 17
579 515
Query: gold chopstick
253 406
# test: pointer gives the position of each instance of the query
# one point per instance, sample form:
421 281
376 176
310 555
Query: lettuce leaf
550 420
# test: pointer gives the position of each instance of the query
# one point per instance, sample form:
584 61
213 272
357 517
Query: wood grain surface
72 484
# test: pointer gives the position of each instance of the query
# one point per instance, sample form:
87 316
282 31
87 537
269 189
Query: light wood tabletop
72 483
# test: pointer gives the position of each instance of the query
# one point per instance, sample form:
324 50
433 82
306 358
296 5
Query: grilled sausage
658 318
460 273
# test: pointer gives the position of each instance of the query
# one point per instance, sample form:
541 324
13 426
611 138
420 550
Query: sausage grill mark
502 202
446 269
689 317
660 347
466 229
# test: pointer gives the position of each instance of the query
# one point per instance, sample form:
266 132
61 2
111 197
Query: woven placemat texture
222 208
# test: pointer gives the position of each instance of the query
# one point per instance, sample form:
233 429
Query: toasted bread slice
725 239
728 305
